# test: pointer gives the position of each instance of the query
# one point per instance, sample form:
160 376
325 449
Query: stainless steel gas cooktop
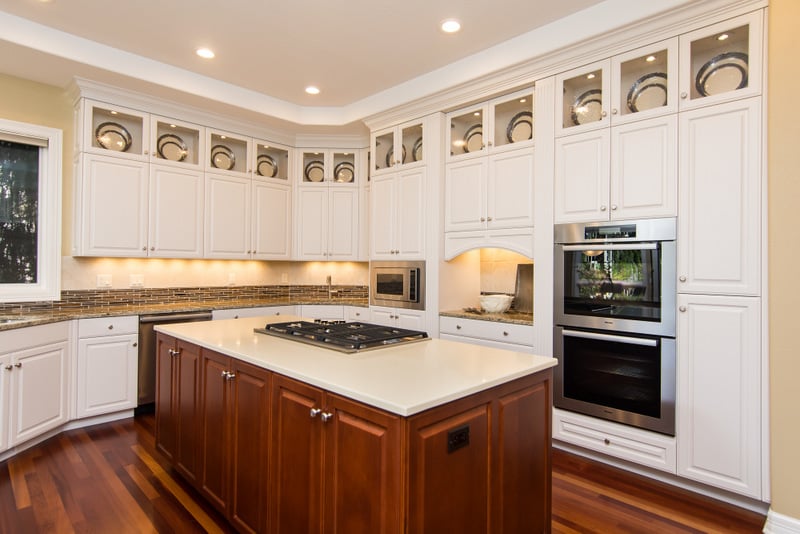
343 336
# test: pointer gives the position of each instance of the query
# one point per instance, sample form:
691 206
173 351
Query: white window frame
48 278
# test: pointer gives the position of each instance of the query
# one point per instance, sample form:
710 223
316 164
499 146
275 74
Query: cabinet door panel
410 214
719 228
249 415
187 406
437 469
719 384
313 223
227 232
362 469
296 458
107 374
176 212
5 377
114 207
40 391
215 461
645 170
510 190
342 224
582 177
465 195
272 223
383 216
166 420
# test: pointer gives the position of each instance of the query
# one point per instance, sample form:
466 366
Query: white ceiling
361 53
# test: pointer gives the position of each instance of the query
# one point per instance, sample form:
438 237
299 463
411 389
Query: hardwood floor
109 478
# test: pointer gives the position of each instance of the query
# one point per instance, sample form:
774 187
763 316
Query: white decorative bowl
496 303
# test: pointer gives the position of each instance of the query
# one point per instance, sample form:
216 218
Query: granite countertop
402 379
10 321
511 316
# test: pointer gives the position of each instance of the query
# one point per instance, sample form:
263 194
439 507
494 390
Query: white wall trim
781 524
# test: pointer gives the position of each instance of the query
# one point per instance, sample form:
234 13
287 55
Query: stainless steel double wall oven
615 321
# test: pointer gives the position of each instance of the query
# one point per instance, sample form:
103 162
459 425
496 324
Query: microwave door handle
609 337
620 246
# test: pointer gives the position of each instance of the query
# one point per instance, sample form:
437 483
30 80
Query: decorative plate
416 152
314 171
390 156
171 147
588 107
473 138
266 166
113 136
344 172
520 127
648 92
222 157
722 73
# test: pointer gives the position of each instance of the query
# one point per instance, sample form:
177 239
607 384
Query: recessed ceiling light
312 90
205 53
590 76
451 26
722 37
650 59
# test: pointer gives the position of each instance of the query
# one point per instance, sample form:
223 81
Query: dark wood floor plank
111 478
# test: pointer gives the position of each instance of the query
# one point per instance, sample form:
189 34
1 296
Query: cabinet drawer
322 311
490 330
106 326
638 446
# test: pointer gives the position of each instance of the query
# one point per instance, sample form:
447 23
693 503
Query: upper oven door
628 287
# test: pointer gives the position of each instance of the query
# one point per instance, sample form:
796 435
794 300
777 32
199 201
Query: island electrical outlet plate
457 438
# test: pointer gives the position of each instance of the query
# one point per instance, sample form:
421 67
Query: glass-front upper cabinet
227 153
721 62
582 98
503 123
177 143
271 161
644 82
328 167
114 130
398 145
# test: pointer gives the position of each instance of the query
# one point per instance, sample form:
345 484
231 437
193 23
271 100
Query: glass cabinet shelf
177 142
271 161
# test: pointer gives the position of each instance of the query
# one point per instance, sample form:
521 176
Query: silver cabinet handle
483 219
603 208
682 278
613 207
614 111
144 249
111 327
489 219
224 374
231 376
314 412
9 368
326 416
604 114
152 248
682 308
458 327
684 95
135 344
505 333
18 365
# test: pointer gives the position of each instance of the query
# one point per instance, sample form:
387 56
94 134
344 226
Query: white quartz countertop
404 379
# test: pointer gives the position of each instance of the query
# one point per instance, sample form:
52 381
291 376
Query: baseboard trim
781 524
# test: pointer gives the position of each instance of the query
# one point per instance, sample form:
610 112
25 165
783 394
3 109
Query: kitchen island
433 436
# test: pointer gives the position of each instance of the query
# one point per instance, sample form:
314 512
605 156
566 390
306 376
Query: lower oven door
623 378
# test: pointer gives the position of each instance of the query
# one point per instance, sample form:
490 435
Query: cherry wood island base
277 455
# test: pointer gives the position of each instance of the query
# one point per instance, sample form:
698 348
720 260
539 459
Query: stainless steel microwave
398 284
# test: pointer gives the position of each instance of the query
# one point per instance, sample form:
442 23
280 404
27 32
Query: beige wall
783 132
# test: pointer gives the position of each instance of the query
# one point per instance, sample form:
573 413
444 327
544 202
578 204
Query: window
30 212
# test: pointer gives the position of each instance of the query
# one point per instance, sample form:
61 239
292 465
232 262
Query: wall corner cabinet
277 455
489 172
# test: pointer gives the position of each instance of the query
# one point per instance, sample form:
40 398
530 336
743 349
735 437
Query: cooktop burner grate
343 336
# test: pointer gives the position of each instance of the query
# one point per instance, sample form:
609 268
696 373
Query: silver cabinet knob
607 441
9 368
314 412
489 219
224 374
111 327
490 143
614 111
144 249
682 308
682 278
603 208
684 95
18 365
604 114
613 207
231 376
135 344
483 219
458 327
326 416
505 334
152 248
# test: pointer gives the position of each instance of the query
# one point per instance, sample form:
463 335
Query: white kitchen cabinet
398 215
509 336
227 216
397 147
258 311
35 362
321 167
357 313
108 129
329 312
641 157
719 228
398 317
228 153
327 223
271 220
500 124
107 361
176 212
719 392
722 62
620 441
176 143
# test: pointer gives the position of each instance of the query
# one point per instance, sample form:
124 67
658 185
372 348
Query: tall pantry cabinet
719 328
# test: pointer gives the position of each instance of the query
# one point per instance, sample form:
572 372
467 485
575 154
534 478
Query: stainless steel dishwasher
147 351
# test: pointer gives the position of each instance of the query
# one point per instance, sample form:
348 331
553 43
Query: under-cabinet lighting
450 26
205 53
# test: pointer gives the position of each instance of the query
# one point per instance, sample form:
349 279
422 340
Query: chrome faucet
330 289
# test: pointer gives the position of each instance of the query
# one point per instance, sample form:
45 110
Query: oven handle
620 246
609 337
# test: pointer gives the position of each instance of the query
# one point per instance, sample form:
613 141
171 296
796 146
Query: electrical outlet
136 281
104 280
